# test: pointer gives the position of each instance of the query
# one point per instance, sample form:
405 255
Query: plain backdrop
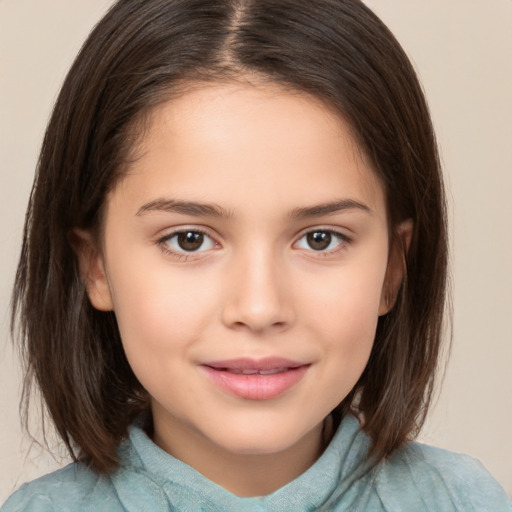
462 50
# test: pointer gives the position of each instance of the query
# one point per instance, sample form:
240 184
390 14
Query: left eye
320 240
189 241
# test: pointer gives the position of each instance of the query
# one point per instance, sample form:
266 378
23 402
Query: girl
232 281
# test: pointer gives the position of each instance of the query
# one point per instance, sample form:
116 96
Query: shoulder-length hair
139 55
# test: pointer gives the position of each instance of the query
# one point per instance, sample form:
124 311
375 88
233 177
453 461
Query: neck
247 475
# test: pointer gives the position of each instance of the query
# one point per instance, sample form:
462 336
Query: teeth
260 372
272 372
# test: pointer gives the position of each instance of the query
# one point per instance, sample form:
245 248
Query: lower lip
256 386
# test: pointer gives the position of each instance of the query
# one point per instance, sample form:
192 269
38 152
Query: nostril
258 326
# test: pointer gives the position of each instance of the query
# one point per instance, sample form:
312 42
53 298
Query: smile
252 379
254 372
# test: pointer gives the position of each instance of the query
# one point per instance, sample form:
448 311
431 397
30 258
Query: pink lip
277 376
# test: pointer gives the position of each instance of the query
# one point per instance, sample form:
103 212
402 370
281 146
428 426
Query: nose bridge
257 295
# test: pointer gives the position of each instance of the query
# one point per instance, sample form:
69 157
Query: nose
258 296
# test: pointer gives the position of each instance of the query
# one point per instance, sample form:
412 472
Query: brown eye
319 240
189 241
322 240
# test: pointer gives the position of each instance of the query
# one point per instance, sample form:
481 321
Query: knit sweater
417 478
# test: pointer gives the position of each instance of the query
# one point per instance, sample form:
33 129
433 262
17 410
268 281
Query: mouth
255 379
253 372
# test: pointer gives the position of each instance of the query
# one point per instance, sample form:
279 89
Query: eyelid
185 255
336 230
344 239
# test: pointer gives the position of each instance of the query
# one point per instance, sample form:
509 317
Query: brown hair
141 53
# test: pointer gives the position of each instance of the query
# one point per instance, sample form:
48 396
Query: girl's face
245 255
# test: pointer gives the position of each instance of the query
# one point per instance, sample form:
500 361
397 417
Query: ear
92 269
395 272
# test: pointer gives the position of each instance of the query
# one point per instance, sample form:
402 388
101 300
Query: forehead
245 115
263 135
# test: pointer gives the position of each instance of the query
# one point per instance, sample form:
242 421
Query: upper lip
246 363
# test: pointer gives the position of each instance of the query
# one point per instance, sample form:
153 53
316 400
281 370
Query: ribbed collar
151 479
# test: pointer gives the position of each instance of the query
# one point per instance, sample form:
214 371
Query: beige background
463 52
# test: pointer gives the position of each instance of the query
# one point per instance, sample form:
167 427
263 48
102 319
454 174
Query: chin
258 439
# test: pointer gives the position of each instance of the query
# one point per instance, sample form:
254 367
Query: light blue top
417 478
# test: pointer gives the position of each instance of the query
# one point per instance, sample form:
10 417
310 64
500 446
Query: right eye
188 241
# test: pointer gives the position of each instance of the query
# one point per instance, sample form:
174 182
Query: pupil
190 241
319 240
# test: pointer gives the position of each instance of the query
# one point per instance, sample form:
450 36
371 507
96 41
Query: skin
255 288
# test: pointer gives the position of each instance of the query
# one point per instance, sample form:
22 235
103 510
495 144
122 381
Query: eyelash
162 242
343 241
185 255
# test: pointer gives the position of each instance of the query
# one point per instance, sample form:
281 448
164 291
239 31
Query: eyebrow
184 207
328 208
197 209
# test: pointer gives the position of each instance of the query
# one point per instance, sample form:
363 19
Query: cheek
347 348
144 303
351 326
154 336
343 315
347 299
161 310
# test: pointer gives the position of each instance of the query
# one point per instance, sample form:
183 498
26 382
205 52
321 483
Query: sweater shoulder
431 478
72 488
